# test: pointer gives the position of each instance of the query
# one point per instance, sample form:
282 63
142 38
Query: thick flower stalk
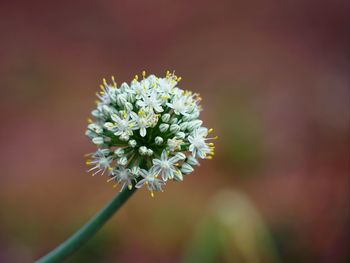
147 132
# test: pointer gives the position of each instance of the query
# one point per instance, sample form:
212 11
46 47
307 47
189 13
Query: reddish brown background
274 80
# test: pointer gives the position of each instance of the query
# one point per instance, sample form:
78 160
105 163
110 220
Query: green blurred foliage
232 231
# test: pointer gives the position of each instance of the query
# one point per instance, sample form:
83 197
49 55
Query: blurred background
274 77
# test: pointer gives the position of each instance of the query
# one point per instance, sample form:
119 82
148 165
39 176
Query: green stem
78 239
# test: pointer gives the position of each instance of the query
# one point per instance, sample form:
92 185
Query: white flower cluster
147 133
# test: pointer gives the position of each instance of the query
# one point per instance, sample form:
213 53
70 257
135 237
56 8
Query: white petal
143 132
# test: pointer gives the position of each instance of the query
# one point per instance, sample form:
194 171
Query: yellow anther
114 82
89 120
110 169
136 77
210 157
102 87
216 137
211 144
104 81
143 73
88 162
179 79
210 130
115 185
130 186
152 194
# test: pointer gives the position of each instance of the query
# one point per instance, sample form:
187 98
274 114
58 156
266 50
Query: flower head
147 133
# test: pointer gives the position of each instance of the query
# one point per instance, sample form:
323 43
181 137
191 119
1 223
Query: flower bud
183 126
174 128
180 135
94 127
163 127
158 140
121 99
96 114
132 143
90 134
107 109
124 137
143 150
119 152
128 106
166 117
186 168
174 120
192 125
124 86
123 161
108 125
180 156
192 161
98 140
178 176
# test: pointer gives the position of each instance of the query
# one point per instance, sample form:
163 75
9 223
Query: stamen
111 179
113 80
